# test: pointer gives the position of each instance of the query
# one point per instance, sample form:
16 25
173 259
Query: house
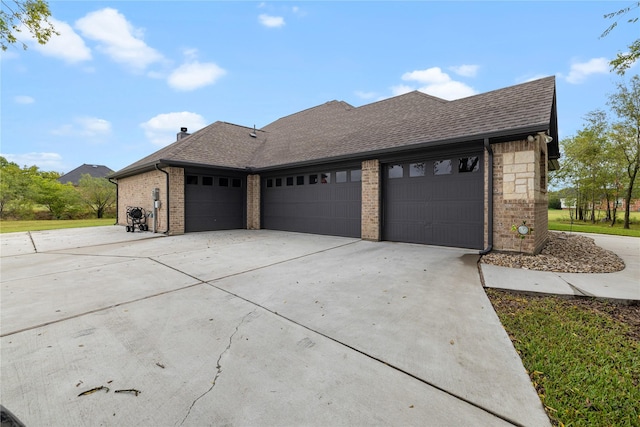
96 171
412 168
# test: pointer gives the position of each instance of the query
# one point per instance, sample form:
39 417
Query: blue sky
124 76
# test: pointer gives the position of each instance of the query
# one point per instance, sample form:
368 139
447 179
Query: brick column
371 200
253 202
176 200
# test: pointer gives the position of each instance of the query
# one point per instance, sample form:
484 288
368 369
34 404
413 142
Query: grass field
14 226
583 356
560 220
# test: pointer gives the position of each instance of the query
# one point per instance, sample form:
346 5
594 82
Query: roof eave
124 173
498 136
184 164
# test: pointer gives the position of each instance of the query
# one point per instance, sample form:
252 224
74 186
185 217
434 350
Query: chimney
182 134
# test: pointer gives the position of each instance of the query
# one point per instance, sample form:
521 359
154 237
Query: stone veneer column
371 200
520 194
253 202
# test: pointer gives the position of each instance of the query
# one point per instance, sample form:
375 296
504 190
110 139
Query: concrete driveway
251 328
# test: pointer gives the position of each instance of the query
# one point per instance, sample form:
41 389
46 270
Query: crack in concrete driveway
218 365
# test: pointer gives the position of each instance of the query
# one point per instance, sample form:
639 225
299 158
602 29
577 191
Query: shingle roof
219 144
336 129
96 171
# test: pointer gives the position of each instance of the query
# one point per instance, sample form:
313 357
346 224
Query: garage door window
395 171
192 180
289 181
356 175
269 183
223 182
236 183
278 182
207 180
313 179
341 176
442 167
417 169
325 178
469 164
300 180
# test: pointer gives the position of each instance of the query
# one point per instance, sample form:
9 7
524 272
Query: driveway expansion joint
218 365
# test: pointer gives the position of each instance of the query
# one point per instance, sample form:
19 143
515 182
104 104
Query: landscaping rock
563 253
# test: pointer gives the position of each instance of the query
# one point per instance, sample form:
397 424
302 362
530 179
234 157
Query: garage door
213 202
319 202
435 202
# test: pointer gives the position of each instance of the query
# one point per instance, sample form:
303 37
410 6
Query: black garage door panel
213 203
293 203
434 205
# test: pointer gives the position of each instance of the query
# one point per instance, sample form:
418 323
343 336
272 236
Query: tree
58 198
626 133
18 15
624 61
97 193
587 164
16 198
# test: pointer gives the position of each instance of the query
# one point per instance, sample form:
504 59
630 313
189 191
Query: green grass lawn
13 226
560 220
583 356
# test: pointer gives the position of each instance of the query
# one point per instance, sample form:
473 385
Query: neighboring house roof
96 171
336 130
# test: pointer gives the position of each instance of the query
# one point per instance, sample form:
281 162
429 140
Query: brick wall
520 194
253 202
371 200
136 191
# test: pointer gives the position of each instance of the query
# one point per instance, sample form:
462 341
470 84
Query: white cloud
465 70
118 38
162 129
68 46
190 53
432 75
401 89
87 127
45 161
449 90
365 95
581 70
24 99
194 75
271 21
436 83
